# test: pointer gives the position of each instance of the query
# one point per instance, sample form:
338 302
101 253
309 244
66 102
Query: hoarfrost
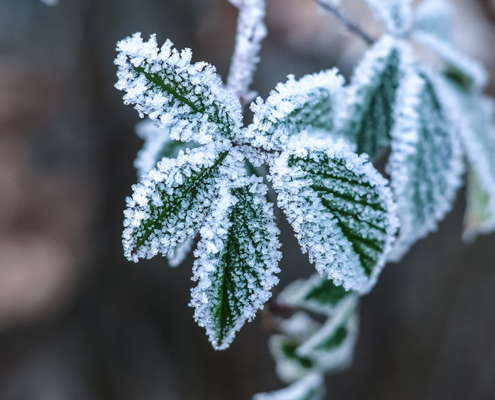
477 129
435 17
367 116
395 14
426 160
237 258
179 253
189 99
251 30
340 207
307 104
171 201
157 144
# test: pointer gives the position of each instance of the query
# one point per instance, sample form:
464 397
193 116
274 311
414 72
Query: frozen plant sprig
181 197
316 136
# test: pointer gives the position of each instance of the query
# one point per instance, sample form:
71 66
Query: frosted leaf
251 30
435 17
425 164
293 106
396 15
171 200
179 253
309 388
237 259
340 208
368 115
332 346
157 144
477 129
480 211
289 366
315 294
471 70
188 99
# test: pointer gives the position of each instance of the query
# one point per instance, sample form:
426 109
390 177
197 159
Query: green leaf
477 128
171 201
435 17
237 259
479 217
394 14
340 208
315 294
471 71
189 99
368 116
295 106
332 347
426 160
157 145
298 328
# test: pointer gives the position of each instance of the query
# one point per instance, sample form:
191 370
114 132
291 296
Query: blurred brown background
78 321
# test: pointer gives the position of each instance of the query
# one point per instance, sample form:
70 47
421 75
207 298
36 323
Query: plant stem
350 25
251 30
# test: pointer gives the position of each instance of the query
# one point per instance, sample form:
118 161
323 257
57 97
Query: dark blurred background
78 321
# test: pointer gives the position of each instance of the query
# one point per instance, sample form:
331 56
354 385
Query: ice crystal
189 99
309 388
395 14
237 259
307 104
367 117
426 162
340 208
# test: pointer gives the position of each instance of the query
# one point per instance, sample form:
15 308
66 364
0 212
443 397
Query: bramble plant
202 172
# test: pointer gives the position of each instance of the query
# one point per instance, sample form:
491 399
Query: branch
348 23
251 30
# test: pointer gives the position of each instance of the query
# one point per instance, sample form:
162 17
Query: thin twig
350 25
251 30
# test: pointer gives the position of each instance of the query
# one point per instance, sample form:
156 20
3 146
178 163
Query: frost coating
189 99
470 68
435 17
368 114
169 203
237 259
179 253
426 161
477 129
340 208
395 14
315 294
293 106
157 144
289 366
332 346
251 30
309 388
